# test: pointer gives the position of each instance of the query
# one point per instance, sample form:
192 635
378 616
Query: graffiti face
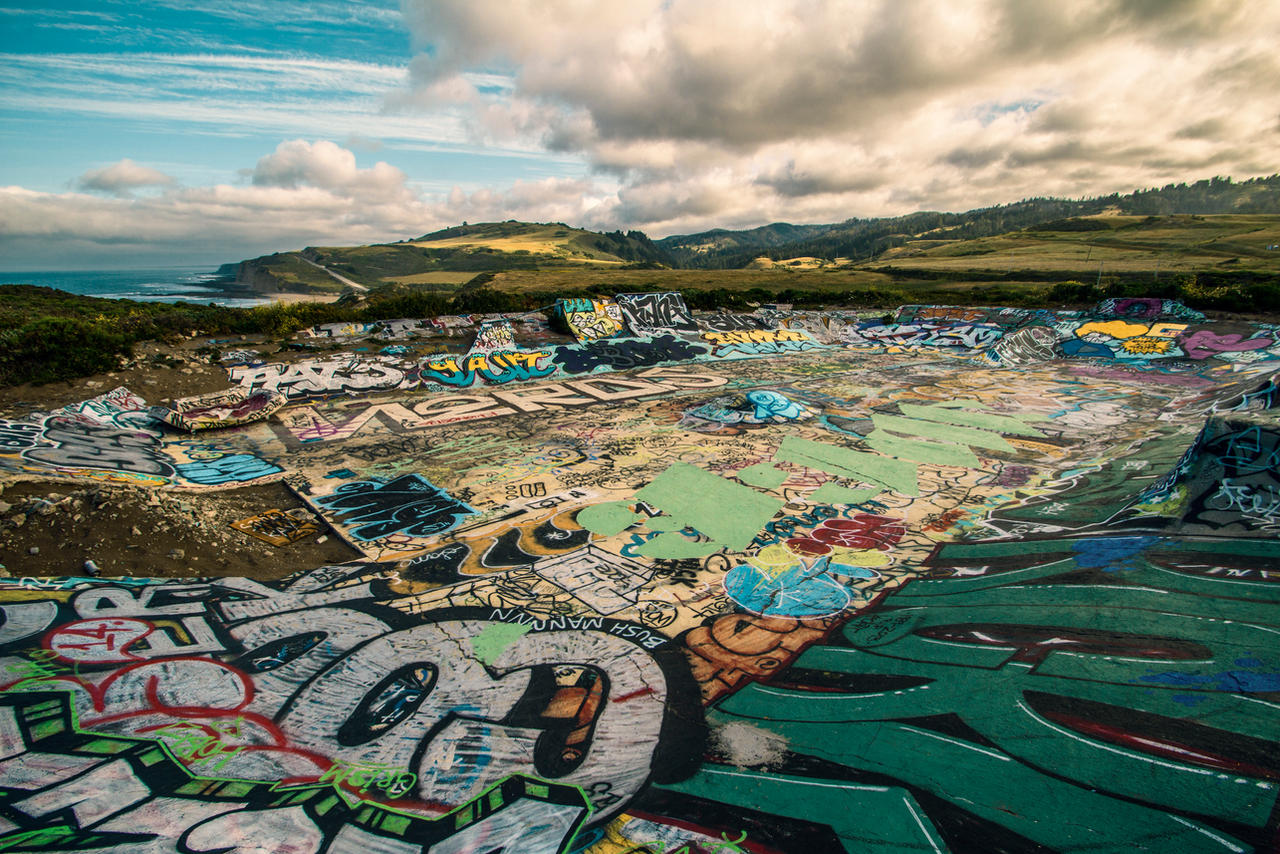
408 700
938 589
436 713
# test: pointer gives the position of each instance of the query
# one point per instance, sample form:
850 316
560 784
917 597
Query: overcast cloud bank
691 114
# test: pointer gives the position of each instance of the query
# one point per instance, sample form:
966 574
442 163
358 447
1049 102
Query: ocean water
157 284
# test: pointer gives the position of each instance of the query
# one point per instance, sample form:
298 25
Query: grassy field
447 279
622 281
550 240
291 273
1120 244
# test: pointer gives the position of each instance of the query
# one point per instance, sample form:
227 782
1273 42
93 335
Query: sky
163 132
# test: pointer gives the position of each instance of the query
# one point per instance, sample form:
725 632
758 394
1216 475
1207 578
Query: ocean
155 284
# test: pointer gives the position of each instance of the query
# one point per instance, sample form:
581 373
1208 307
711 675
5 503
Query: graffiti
118 407
1203 343
605 583
220 409
75 444
492 367
726 322
306 424
1027 346
649 314
409 505
754 408
278 527
18 436
758 342
964 336
591 319
1228 481
246 356
944 589
98 791
620 354
736 648
368 703
1147 308
230 468
337 330
1062 685
494 336
322 377
100 641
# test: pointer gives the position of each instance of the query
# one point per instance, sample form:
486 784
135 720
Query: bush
60 348
1073 293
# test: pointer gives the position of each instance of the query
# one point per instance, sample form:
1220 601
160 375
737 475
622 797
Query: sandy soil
142 532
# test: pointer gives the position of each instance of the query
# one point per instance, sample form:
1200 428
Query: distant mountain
553 242
445 259
861 240
685 247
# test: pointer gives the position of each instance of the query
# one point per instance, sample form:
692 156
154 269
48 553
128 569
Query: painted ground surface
973 581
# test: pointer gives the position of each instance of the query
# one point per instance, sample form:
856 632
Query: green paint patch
897 475
674 546
940 432
968 418
724 511
830 493
495 639
763 475
609 518
663 523
921 451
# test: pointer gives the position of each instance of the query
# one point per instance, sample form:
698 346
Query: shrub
60 348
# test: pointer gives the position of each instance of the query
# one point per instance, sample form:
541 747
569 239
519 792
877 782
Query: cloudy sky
139 132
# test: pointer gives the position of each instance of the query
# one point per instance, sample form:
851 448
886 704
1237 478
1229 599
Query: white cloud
301 194
325 165
122 178
687 114
718 111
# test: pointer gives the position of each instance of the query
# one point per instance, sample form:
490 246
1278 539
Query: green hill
1218 230
444 260
863 240
1120 244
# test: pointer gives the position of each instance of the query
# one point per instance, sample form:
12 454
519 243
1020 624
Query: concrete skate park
633 578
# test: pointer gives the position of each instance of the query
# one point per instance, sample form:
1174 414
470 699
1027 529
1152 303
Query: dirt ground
54 527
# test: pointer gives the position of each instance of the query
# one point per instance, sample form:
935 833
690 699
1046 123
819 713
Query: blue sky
169 131
201 90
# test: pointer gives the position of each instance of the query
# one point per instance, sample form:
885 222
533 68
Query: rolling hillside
1179 243
865 240
444 260
1217 229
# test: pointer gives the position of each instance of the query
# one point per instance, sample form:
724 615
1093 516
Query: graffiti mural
324 377
980 579
220 409
591 319
116 438
651 314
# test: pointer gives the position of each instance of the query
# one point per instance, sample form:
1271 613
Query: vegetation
48 335
461 250
1208 244
865 239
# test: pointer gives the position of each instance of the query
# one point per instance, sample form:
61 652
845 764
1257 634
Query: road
338 276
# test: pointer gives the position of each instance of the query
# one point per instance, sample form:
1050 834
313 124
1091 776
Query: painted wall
885 597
